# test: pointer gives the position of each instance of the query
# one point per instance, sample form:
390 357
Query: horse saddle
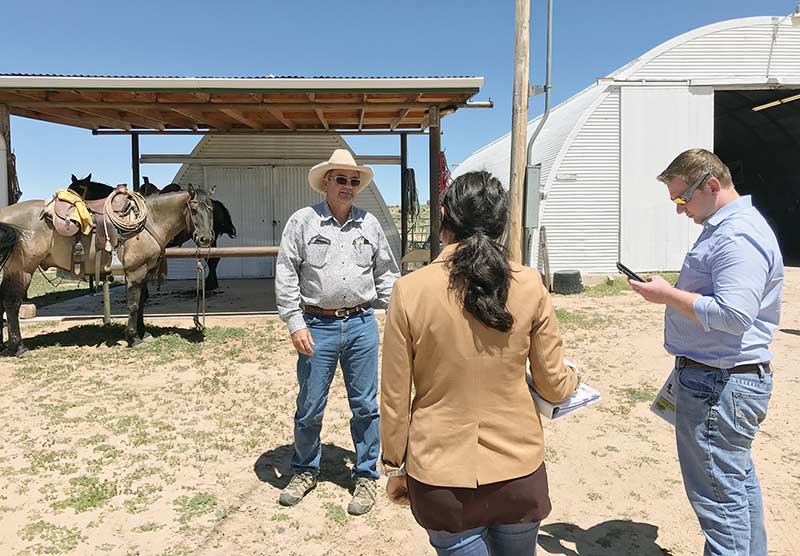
71 213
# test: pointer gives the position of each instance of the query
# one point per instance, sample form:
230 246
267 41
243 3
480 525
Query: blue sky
309 38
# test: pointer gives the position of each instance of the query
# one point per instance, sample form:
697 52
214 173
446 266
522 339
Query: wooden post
519 125
5 132
405 194
435 144
106 302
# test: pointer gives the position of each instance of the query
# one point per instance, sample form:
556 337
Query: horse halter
188 214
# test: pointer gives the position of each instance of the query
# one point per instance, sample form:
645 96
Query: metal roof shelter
241 105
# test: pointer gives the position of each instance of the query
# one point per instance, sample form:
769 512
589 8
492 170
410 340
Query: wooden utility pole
519 126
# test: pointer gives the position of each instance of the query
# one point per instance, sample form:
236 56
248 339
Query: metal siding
736 50
290 193
246 191
582 216
496 157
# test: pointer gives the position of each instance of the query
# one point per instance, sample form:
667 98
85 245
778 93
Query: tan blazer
471 420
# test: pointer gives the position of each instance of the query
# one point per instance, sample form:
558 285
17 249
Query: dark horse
223 224
28 241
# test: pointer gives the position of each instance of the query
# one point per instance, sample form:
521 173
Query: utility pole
519 125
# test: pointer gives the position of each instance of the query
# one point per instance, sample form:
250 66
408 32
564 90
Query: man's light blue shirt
737 268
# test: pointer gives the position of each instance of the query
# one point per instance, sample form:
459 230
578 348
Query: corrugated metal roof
270 76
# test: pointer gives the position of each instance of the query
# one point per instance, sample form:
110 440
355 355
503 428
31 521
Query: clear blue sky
310 38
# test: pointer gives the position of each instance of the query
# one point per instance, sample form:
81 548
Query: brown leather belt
681 362
339 313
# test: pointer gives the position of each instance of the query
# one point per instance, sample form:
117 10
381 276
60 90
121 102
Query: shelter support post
435 143
404 194
106 302
135 160
519 125
6 194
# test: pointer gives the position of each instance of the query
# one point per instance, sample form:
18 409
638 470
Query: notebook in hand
584 396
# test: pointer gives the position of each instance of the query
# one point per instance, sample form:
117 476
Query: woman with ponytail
462 438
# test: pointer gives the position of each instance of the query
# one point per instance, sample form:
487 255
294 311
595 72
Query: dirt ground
181 447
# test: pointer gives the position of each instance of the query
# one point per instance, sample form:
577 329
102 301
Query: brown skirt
521 500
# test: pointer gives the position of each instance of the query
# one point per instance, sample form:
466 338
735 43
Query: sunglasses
686 196
342 180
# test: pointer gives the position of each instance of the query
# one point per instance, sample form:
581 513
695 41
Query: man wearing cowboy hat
334 266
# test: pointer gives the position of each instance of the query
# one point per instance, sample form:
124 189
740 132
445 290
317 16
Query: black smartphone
629 273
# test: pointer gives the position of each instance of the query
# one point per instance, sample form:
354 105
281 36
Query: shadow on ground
273 467
95 335
610 538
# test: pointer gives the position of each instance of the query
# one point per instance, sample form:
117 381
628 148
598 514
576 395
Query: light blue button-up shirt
737 268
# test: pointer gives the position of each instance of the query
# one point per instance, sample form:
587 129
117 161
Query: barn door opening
757 135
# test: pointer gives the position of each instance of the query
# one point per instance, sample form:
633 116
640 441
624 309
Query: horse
28 241
223 223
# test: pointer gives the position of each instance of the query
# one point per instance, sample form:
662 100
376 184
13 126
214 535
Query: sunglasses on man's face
342 180
686 196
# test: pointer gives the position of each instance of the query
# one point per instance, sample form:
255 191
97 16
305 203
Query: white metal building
262 180
600 150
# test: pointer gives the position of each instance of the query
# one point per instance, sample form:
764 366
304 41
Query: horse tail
9 238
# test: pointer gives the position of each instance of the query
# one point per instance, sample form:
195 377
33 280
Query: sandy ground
181 447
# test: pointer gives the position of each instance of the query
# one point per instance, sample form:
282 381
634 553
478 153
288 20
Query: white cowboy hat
341 159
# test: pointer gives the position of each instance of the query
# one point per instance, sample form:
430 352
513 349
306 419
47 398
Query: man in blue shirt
719 321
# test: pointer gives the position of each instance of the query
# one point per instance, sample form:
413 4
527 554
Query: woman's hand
397 490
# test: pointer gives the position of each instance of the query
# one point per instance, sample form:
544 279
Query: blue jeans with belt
353 342
717 417
516 539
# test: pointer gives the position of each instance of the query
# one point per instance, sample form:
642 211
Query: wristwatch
392 472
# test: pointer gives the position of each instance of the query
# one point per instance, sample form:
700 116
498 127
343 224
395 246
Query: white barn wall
616 157
582 216
289 183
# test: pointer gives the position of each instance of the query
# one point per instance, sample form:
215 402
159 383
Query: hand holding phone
629 273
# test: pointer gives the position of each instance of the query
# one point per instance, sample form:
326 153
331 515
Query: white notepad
583 397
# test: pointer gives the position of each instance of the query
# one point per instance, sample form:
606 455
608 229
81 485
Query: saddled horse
223 223
28 241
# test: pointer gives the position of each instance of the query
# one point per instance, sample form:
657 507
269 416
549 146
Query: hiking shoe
363 496
298 487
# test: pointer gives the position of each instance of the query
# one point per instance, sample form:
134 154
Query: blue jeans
353 341
717 417
516 539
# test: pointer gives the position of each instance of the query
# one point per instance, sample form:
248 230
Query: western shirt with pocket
331 265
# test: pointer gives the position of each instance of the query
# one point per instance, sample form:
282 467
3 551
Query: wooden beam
403 113
281 118
127 120
363 111
33 114
327 106
255 161
239 117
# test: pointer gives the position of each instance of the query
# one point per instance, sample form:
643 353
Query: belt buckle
340 313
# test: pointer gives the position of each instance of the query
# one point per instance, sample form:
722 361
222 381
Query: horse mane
225 225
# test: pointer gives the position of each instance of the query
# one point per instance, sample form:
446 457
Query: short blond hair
691 165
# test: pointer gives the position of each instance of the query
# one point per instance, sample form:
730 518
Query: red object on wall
444 173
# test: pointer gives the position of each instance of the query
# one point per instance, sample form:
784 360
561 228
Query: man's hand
303 341
657 290
397 490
